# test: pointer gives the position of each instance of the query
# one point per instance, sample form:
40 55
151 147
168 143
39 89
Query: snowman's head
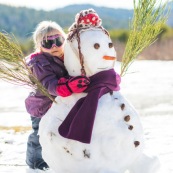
88 46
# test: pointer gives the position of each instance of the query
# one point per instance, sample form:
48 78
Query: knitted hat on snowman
85 20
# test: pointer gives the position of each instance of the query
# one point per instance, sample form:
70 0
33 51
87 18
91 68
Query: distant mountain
112 13
21 21
111 17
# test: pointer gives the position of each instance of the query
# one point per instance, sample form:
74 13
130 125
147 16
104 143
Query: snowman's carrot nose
109 57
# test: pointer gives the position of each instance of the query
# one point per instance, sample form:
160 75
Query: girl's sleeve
46 75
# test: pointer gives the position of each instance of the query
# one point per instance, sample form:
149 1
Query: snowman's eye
110 45
96 46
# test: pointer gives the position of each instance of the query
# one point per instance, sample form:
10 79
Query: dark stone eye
96 46
111 45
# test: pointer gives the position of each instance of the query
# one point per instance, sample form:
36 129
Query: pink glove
72 85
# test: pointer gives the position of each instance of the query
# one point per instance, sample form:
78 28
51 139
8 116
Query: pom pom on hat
86 19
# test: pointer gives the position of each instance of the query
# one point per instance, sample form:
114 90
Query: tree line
22 21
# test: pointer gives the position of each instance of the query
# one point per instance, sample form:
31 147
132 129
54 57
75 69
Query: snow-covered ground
148 86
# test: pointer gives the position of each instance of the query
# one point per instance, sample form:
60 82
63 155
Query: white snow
149 89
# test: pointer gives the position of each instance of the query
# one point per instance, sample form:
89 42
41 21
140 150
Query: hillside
21 21
112 18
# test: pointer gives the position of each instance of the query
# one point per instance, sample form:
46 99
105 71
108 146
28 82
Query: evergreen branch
14 69
148 19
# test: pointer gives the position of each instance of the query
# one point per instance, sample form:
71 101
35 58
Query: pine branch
13 67
149 18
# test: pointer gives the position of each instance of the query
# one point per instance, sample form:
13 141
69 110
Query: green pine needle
13 67
149 17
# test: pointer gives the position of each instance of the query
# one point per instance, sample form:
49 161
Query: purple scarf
79 122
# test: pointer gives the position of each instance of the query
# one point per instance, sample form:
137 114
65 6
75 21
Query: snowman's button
136 143
111 93
130 127
127 118
122 106
80 81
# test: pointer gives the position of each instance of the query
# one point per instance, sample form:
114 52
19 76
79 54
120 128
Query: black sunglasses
54 40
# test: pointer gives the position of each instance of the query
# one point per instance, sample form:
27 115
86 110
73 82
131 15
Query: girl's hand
76 84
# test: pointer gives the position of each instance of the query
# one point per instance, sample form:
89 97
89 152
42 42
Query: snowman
98 131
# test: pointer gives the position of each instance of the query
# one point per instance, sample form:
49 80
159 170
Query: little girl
47 65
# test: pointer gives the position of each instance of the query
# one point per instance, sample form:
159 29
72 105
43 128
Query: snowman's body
117 137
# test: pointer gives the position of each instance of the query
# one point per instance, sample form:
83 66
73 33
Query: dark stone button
127 118
122 106
80 81
130 127
136 143
111 93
